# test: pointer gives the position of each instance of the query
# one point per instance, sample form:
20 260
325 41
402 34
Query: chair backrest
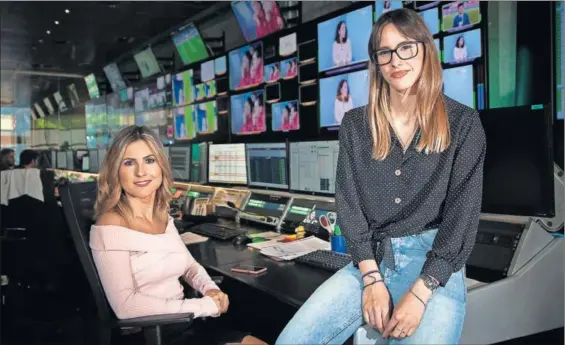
78 205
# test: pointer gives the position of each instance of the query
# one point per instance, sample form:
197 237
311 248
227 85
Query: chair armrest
155 320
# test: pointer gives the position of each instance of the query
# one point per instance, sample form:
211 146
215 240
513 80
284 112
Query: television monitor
185 122
267 165
189 43
49 105
73 95
307 51
383 6
285 116
460 15
207 71
199 163
92 86
114 77
287 44
248 113
61 160
431 18
180 162
272 93
199 92
342 41
60 102
307 73
246 66
518 173
258 19
462 47
220 66
313 166
422 5
160 93
227 164
458 83
341 93
206 117
308 94
183 88
559 60
289 68
222 104
272 72
147 63
210 89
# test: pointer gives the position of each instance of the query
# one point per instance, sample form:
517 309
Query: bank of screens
341 93
147 63
431 18
114 77
257 18
460 15
248 113
227 164
180 162
313 166
342 40
462 47
266 205
246 66
458 83
92 86
383 6
267 165
189 44
285 116
183 88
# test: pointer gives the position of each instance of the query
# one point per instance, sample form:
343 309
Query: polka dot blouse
410 192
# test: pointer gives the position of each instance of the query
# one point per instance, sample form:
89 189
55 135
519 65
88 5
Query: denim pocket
426 238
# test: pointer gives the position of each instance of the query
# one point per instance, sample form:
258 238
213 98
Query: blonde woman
136 248
408 195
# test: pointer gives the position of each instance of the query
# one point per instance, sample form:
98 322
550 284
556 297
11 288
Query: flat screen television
285 116
246 66
462 47
258 19
460 15
114 77
248 113
189 43
147 63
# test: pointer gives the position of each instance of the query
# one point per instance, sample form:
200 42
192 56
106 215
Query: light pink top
139 272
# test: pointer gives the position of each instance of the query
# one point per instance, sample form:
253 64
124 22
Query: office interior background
74 73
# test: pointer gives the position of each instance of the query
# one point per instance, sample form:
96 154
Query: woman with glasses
408 195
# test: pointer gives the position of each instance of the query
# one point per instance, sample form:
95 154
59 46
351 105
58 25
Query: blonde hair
431 116
111 197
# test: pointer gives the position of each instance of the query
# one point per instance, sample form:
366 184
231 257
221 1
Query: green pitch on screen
188 87
189 122
211 117
192 50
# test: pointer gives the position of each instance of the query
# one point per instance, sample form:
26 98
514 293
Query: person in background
135 245
461 18
343 102
460 50
7 159
29 160
341 46
408 197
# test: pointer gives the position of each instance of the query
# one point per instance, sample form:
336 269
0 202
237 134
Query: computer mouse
241 240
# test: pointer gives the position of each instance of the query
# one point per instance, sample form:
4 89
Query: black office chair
78 200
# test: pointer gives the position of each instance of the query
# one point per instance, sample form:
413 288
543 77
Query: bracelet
374 282
418 297
371 272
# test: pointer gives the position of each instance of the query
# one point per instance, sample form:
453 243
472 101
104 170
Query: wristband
418 297
374 282
371 272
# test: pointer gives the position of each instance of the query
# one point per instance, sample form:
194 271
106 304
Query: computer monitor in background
342 41
458 83
147 63
180 162
114 77
245 13
341 93
383 6
94 161
207 117
460 15
272 207
251 57
313 166
189 43
61 160
431 18
518 169
227 164
267 165
248 113
462 47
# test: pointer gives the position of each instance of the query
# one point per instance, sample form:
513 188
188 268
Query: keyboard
325 259
215 231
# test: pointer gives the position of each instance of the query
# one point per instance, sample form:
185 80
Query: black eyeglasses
404 51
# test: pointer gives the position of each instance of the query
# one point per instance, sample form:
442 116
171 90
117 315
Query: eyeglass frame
394 51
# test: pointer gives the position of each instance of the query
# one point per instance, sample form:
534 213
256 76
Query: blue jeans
333 313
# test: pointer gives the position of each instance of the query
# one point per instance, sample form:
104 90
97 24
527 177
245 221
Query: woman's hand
376 303
220 298
406 316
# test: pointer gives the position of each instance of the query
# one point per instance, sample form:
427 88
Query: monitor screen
220 66
460 15
114 77
185 122
257 19
458 83
285 116
59 101
73 95
287 44
207 117
267 205
210 89
190 45
147 63
207 71
431 18
246 66
559 60
342 40
341 93
383 6
61 160
180 162
462 47
199 92
313 166
183 88
199 163
226 164
518 176
92 86
49 105
248 113
302 208
289 68
267 165
272 72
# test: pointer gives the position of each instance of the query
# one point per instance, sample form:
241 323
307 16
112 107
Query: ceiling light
56 22
48 32
67 11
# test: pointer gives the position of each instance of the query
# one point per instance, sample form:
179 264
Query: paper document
292 250
190 238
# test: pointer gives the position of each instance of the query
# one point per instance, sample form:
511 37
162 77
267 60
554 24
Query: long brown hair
431 116
111 197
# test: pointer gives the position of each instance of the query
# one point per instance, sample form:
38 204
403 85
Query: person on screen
262 28
273 16
247 126
408 197
274 73
258 115
460 50
343 102
294 119
245 70
293 68
256 68
341 46
285 121
461 18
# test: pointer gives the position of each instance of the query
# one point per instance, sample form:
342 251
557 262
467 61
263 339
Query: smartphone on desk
249 269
